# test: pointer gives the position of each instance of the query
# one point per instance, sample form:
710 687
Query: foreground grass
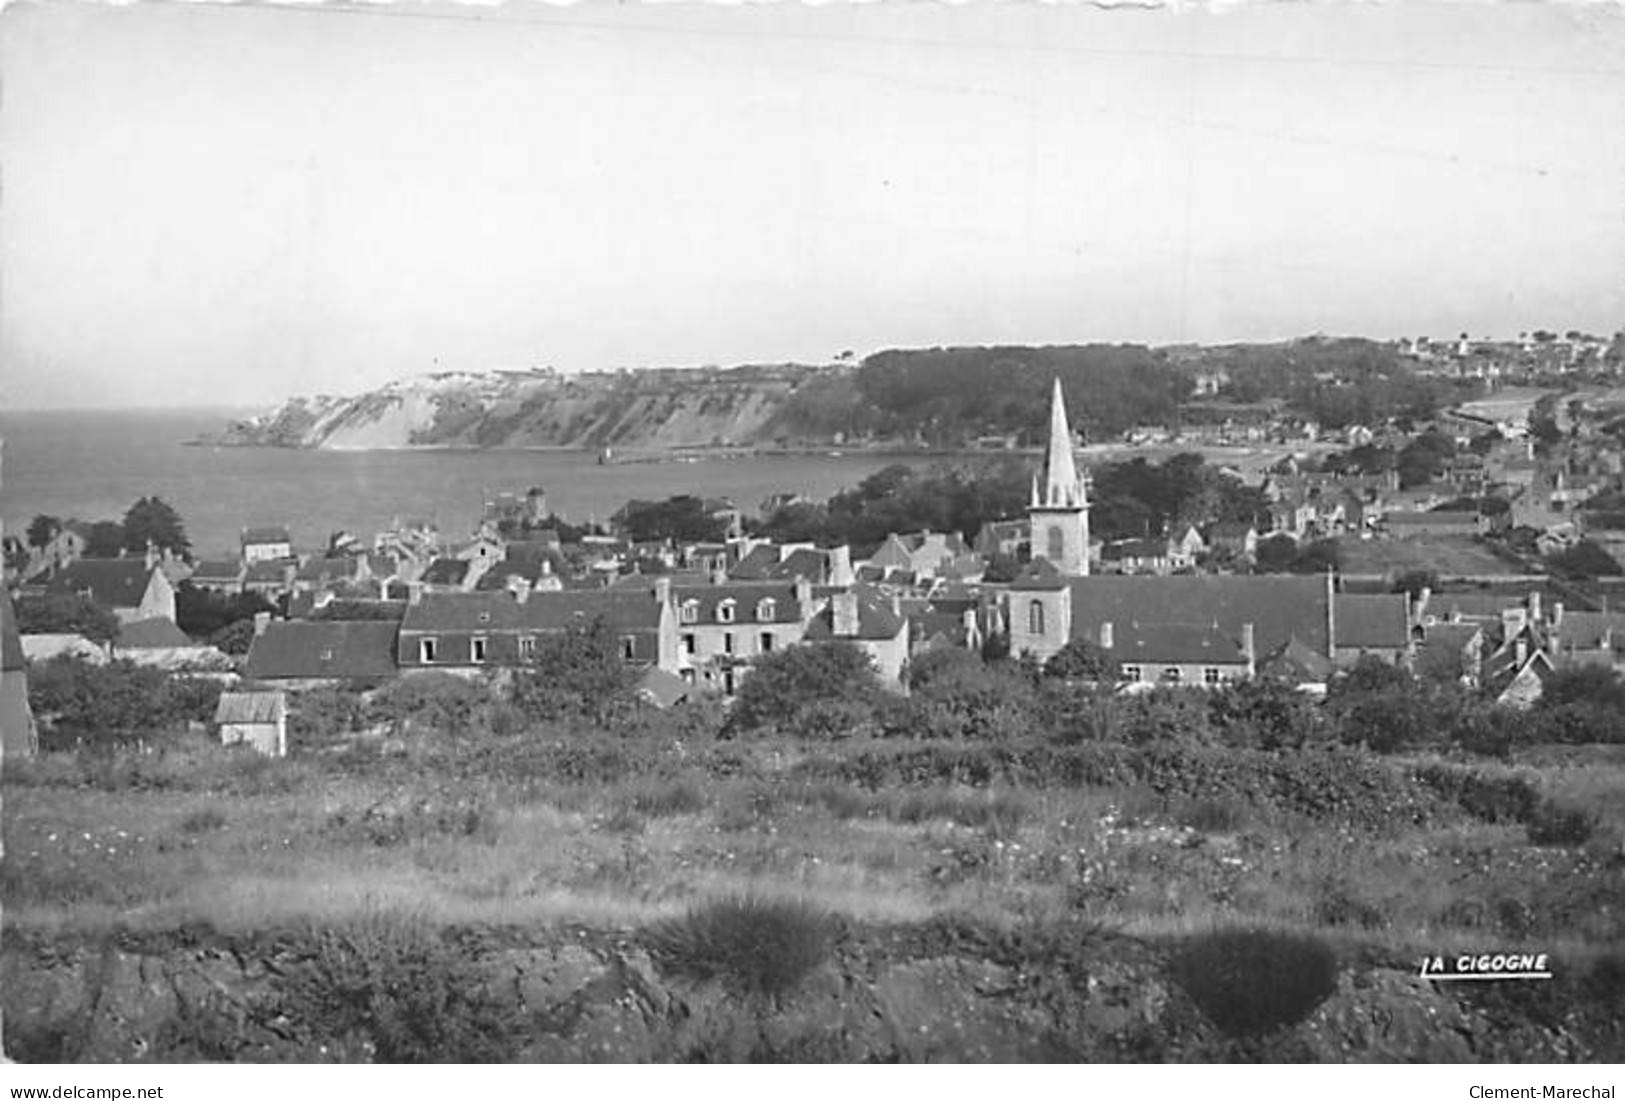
329 844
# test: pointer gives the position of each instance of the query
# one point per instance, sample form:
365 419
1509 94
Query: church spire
1060 486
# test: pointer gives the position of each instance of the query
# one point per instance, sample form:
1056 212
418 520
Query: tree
152 521
682 519
64 614
42 529
1414 581
105 539
576 673
1081 659
202 613
789 688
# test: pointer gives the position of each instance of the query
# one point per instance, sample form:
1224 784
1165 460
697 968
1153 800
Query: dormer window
691 611
765 610
725 611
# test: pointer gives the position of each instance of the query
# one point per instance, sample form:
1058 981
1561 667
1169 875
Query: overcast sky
211 205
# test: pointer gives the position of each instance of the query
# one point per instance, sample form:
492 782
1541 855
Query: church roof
1058 484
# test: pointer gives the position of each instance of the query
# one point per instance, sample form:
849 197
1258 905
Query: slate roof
152 634
324 570
746 596
217 571
1134 548
272 573
251 707
755 565
544 611
1296 661
1431 519
1376 620
111 582
322 649
1585 630
1278 607
1175 644
876 619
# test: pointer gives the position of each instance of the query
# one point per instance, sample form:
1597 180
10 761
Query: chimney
1248 648
1521 650
662 590
520 587
844 614
1108 637
896 603
152 555
1534 605
840 566
414 592
719 571
262 620
973 629
1557 615
804 595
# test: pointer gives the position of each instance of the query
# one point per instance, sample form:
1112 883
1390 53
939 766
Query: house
131 588
788 561
873 621
1294 662
1175 654
269 577
258 719
451 575
266 544
221 575
1377 624
1185 548
306 653
947 622
18 736
1235 538
44 647
469 631
923 553
1145 556
721 627
161 644
66 546
1001 537
1045 610
332 574
726 513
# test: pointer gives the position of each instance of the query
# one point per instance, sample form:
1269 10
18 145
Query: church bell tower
1058 514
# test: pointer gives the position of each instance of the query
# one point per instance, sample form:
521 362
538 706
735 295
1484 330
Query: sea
92 465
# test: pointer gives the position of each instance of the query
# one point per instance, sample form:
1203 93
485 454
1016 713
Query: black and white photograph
841 533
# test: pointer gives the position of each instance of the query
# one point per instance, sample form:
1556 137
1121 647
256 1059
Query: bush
1554 823
758 946
1487 798
576 674
80 703
393 980
669 798
203 820
816 691
1213 815
441 703
1252 981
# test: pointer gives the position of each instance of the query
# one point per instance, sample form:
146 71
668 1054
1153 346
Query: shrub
760 947
1213 815
789 688
1487 798
395 981
1262 714
576 674
203 819
441 703
1554 823
1252 981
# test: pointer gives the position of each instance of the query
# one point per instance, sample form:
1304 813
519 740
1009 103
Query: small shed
258 718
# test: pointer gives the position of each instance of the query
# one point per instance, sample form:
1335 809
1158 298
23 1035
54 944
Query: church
1202 630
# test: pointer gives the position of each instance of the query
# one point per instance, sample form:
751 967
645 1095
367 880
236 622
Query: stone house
721 627
258 719
133 588
265 544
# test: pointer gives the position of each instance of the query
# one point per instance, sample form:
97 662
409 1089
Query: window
767 642
1171 674
1057 544
629 647
725 611
426 650
1131 672
691 611
728 682
485 617
1035 617
727 642
1211 675
327 655
476 649
764 610
527 647
687 675
690 643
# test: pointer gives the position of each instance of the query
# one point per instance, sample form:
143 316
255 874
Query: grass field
1444 556
242 844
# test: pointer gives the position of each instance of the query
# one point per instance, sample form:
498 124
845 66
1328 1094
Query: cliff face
646 409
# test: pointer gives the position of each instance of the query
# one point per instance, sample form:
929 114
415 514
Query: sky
230 205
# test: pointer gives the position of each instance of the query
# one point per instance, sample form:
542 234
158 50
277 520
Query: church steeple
1058 484
1059 511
